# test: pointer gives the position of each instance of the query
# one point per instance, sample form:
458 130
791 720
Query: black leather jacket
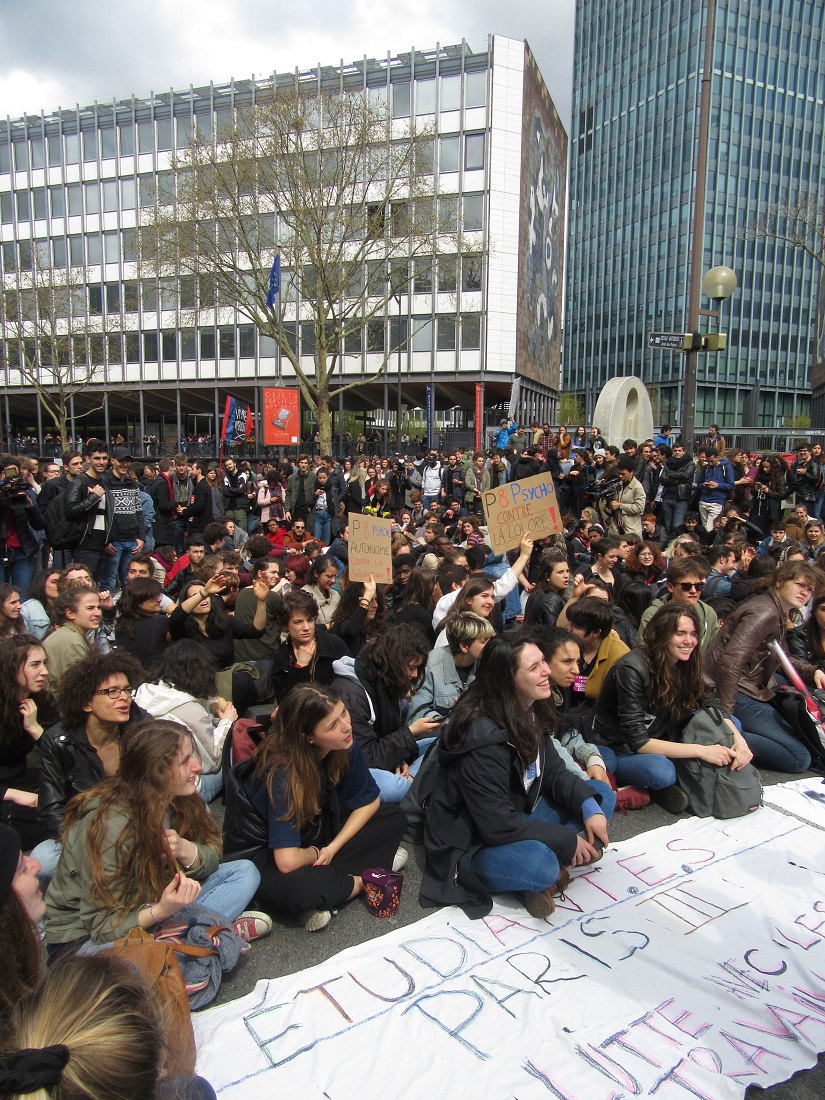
80 504
245 832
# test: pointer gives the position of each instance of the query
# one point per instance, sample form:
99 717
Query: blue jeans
47 854
639 769
20 571
771 740
114 566
392 787
672 514
211 785
231 888
323 523
427 500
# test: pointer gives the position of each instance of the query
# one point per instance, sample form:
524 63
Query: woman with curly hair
26 710
644 562
359 615
549 595
139 846
11 621
376 689
770 487
662 678
141 628
95 706
306 811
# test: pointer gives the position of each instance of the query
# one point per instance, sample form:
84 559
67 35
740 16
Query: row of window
445 333
422 97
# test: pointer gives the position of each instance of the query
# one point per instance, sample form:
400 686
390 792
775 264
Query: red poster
479 418
282 417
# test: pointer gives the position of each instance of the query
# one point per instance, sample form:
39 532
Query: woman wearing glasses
95 707
741 666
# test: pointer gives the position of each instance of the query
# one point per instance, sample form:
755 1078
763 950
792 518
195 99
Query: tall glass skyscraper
638 74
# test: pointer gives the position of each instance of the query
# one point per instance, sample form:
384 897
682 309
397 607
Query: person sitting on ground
306 811
26 710
95 706
645 562
141 627
451 668
21 907
376 688
549 595
417 602
505 814
686 578
502 586
322 576
187 693
590 621
477 594
296 569
76 612
359 615
246 608
11 621
36 611
634 598
741 666
662 679
308 651
297 537
605 559
807 642
140 845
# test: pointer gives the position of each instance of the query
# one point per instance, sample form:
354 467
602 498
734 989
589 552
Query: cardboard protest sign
370 542
519 508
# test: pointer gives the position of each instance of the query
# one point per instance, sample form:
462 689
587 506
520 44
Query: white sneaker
314 920
400 860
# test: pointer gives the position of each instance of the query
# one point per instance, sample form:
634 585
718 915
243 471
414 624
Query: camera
12 492
605 490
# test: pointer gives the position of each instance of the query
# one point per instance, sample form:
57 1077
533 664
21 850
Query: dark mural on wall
541 232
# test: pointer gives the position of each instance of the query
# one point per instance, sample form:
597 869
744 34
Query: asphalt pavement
290 948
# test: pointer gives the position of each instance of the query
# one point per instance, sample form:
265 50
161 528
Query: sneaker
631 798
252 925
673 799
400 860
314 920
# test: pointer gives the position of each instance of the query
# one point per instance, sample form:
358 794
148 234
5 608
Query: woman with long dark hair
140 845
11 602
359 615
740 664
37 609
663 679
376 689
549 595
187 692
505 811
21 907
141 628
770 488
26 710
417 602
306 811
807 642
308 650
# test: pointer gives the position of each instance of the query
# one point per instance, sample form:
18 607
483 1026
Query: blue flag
274 281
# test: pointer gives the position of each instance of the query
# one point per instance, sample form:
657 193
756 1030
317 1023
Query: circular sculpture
623 411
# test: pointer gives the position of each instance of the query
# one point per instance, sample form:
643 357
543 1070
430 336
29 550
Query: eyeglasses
116 692
691 586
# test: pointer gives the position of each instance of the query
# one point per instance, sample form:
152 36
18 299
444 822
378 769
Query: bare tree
340 192
50 340
798 222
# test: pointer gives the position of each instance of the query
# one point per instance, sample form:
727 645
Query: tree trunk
324 422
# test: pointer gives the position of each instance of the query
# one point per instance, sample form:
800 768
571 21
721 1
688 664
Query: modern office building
74 184
638 71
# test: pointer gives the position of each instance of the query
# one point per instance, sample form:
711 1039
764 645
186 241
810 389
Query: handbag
383 891
157 964
715 791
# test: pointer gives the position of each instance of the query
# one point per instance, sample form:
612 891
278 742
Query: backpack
63 533
715 791
805 719
417 799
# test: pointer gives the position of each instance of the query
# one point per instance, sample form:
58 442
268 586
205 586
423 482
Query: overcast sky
56 53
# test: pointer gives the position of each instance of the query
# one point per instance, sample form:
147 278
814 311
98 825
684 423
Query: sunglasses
691 586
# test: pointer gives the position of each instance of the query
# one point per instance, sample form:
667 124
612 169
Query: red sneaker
631 798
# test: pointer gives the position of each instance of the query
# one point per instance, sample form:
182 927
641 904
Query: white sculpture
623 411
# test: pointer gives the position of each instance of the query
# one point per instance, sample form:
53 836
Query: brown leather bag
160 969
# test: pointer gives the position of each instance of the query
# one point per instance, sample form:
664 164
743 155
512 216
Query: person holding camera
20 519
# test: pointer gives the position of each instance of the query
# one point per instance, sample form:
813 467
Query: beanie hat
9 858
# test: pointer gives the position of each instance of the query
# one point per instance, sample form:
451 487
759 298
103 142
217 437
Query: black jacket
81 504
284 676
163 497
677 477
479 801
621 718
543 608
69 765
383 738
245 832
27 520
199 512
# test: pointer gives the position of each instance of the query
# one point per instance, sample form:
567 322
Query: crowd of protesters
174 632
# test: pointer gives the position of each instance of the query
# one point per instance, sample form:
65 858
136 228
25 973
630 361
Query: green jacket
708 623
71 910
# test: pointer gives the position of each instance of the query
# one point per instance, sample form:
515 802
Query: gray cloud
58 53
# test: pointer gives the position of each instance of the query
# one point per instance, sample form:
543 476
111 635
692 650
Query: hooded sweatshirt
163 701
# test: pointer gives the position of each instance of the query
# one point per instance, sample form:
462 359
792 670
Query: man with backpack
56 532
715 484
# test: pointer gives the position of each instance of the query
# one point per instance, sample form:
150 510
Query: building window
400 100
115 347
130 246
375 335
6 208
126 133
39 203
128 195
475 89
446 334
425 97
447 274
132 347
92 197
150 297
113 297
55 149
352 342
76 254
107 145
148 191
9 255
146 137
471 272
96 300
227 342
169 345
58 202
72 148
246 341
449 148
150 347
447 214
473 152
5 158
307 338
207 343
164 128
89 146
130 297
470 331
188 299
109 195
422 334
423 283
188 345
59 252
450 93
74 194
21 155
398 333
22 198
473 212
111 243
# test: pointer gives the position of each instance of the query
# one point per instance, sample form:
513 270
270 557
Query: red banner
282 417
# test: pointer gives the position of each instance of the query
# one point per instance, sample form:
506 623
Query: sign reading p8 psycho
519 508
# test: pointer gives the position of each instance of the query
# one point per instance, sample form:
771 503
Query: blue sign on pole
430 402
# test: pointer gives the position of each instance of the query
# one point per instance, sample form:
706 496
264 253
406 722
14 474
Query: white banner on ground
689 963
805 798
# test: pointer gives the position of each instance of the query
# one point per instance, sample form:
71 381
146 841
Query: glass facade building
638 71
75 185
